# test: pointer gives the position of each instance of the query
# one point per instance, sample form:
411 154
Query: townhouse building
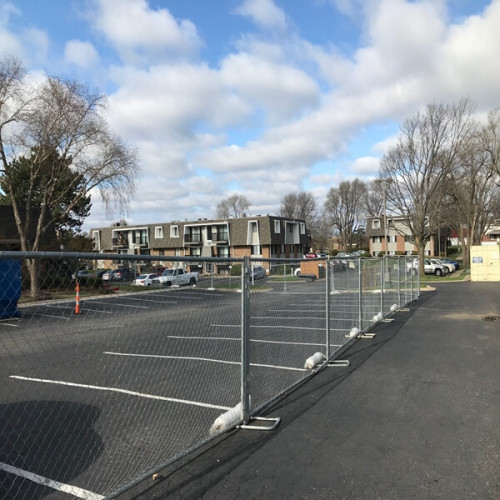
399 238
264 237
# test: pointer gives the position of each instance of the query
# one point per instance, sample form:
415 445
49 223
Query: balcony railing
192 239
119 242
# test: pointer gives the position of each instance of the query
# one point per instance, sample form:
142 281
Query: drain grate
491 318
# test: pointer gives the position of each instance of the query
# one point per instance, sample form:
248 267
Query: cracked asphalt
416 415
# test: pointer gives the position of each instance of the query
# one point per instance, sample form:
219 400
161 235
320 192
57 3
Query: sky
257 97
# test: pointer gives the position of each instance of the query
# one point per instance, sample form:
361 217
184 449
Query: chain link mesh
105 377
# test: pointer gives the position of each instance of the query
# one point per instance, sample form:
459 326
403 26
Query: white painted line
82 307
268 326
122 391
288 310
251 340
50 316
100 311
188 358
9 324
120 305
136 299
308 305
56 485
288 317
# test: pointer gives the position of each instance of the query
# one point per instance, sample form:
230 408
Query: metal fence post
399 279
327 309
360 294
382 280
418 282
245 340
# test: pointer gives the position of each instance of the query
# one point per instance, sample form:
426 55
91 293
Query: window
377 239
222 251
376 224
277 226
256 250
174 231
177 252
139 237
195 251
302 228
158 232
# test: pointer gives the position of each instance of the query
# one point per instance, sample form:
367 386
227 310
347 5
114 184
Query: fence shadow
54 439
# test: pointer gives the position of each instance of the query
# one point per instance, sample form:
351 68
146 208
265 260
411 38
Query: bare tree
489 142
302 206
373 205
475 196
234 206
419 163
67 117
344 207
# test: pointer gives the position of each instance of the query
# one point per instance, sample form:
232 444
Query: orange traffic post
77 303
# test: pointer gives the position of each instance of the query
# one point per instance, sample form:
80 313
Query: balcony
221 238
192 239
119 242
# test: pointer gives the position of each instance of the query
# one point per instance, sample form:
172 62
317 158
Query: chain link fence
107 376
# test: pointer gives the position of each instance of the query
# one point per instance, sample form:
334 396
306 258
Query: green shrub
236 270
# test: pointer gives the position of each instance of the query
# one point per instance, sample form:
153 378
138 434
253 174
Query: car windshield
168 272
142 277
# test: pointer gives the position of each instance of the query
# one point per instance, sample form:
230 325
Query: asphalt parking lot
416 415
91 401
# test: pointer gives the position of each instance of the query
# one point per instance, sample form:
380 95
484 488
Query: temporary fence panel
104 379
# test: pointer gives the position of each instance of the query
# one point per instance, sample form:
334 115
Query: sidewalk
415 416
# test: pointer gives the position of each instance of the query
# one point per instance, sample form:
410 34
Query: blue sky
257 97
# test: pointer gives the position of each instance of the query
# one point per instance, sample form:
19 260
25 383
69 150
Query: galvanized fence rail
104 381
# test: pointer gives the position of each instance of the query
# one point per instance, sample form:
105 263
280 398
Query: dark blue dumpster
10 288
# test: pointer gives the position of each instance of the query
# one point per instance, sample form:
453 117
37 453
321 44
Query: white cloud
365 166
141 34
264 13
281 90
81 53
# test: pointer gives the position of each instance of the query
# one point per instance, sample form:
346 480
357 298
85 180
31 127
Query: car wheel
438 272
192 281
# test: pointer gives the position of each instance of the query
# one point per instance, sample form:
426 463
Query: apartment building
399 238
258 236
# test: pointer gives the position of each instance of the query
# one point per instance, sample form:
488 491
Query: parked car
100 273
83 273
310 255
436 263
177 276
258 272
122 274
450 266
453 262
144 280
429 267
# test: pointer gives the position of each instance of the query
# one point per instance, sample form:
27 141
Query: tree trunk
32 265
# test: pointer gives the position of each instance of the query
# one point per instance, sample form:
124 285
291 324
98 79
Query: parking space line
189 358
120 305
52 316
237 339
9 324
288 317
56 485
148 300
122 391
268 326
